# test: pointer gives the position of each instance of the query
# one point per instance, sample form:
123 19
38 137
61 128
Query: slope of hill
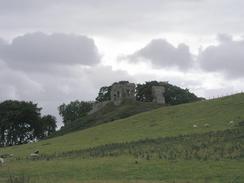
162 122
156 146
109 113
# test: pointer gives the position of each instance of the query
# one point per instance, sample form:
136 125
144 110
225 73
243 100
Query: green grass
109 113
124 168
162 122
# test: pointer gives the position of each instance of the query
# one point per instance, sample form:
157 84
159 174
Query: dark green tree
74 110
173 94
104 94
144 91
20 122
48 125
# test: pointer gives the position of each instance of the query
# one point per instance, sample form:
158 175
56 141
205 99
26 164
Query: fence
224 95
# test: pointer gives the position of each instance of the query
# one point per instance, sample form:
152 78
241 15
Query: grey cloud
122 18
12 6
164 55
39 51
223 38
30 4
227 57
15 84
51 89
52 69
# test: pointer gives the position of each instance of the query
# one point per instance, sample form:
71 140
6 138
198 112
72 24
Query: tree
20 122
144 91
48 125
74 110
173 94
104 93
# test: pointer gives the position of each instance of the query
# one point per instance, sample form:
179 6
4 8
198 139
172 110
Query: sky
57 51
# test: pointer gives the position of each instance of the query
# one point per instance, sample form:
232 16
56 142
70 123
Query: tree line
21 122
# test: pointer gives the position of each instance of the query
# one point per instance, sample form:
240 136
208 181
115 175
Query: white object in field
34 155
231 122
2 161
206 125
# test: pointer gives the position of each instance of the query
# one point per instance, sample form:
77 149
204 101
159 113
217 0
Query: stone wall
124 91
158 94
98 106
120 92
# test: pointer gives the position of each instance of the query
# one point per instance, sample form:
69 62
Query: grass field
123 168
163 122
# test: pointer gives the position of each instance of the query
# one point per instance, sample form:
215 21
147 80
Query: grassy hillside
173 150
109 113
162 122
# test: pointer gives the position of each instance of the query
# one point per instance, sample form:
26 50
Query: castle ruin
122 91
158 94
127 91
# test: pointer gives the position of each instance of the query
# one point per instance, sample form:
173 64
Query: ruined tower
158 94
122 91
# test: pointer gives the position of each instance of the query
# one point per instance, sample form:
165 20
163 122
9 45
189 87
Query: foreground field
124 169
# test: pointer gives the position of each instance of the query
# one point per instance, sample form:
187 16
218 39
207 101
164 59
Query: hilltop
109 113
120 100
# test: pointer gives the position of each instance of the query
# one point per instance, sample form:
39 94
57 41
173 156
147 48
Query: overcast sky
55 51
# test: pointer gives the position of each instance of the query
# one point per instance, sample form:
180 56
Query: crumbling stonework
125 91
122 91
98 106
158 94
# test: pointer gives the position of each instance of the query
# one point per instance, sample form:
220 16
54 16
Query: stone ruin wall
121 92
98 106
158 94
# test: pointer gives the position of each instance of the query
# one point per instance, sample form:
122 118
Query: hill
108 113
161 144
148 96
162 122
